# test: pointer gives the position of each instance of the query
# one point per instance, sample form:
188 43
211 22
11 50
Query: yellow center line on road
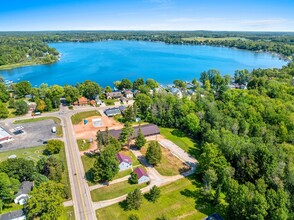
75 166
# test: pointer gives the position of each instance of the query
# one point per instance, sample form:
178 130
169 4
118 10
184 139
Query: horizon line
149 30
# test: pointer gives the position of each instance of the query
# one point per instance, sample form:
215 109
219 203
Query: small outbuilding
125 162
142 175
23 194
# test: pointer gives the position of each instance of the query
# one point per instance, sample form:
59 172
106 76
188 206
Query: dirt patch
89 131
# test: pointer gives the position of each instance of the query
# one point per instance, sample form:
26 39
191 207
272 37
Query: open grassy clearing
170 165
83 145
202 39
183 141
177 201
68 213
77 118
32 153
114 190
36 119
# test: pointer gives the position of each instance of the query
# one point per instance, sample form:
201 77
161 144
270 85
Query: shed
125 162
142 175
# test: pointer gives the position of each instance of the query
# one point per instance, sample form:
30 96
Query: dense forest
246 137
31 47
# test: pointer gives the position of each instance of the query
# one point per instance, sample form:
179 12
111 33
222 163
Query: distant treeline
19 47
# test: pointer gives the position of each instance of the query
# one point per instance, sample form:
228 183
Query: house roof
114 94
25 188
147 130
128 92
83 99
122 108
12 215
140 172
3 133
123 158
112 111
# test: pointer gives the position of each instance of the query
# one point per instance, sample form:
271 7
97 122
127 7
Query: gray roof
12 215
113 94
147 130
25 188
112 111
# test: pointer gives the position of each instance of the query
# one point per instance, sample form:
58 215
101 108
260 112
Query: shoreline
30 63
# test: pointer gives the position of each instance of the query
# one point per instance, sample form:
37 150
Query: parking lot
34 134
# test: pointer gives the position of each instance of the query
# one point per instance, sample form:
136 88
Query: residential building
125 162
128 94
113 95
112 112
147 130
22 195
142 175
176 92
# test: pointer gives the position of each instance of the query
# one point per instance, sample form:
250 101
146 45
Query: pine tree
140 140
153 153
134 200
154 194
99 139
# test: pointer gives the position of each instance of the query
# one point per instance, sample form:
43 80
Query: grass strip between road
36 119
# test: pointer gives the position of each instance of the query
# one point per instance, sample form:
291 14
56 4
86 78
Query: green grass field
77 118
177 201
36 119
11 207
68 214
114 190
83 146
180 139
31 153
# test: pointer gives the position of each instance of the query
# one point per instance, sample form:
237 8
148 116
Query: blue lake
108 61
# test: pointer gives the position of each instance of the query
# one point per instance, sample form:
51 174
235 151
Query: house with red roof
125 162
142 175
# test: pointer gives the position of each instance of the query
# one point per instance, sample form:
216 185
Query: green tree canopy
153 154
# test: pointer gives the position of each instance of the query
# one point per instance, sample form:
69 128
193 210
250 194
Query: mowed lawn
169 165
114 190
183 141
77 118
68 213
32 153
176 202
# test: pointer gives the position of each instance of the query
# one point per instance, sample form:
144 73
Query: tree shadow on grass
123 205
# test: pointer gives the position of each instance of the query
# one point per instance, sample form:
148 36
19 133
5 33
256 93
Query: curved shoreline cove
108 61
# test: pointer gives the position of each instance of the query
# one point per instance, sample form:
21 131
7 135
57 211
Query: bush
53 147
133 179
133 217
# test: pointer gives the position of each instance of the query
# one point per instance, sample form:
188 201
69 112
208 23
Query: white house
22 196
128 94
125 162
142 175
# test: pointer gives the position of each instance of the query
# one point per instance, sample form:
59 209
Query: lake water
108 61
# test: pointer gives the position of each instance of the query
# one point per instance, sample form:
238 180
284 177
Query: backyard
177 201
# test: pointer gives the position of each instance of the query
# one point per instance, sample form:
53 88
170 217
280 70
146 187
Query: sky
219 15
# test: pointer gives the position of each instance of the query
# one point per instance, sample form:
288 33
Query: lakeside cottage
81 101
128 94
125 162
142 175
113 95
